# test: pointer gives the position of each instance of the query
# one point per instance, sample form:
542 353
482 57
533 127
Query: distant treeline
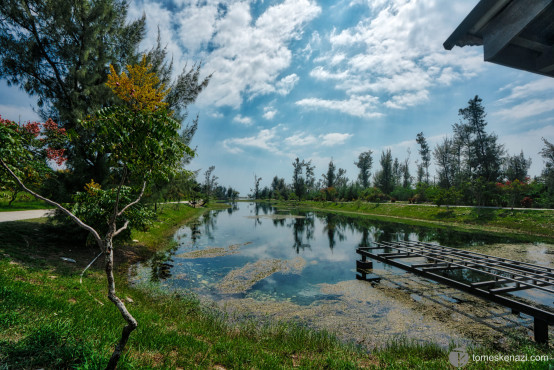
472 168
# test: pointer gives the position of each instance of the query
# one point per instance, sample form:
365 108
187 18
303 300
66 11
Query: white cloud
313 44
398 53
539 86
245 55
300 139
358 106
246 121
407 100
216 114
265 139
527 109
286 84
334 138
196 26
320 73
269 113
249 54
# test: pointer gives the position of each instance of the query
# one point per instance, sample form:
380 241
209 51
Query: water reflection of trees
379 231
302 228
334 226
161 265
233 208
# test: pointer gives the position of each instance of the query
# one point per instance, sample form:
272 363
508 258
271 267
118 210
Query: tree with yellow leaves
141 141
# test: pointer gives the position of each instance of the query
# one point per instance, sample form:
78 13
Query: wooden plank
512 288
489 282
545 63
397 255
536 312
509 23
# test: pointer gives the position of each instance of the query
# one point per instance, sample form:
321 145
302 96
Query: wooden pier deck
497 277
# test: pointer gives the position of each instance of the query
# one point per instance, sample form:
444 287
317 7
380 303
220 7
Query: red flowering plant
512 192
27 150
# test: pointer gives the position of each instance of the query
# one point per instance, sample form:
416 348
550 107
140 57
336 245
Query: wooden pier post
540 327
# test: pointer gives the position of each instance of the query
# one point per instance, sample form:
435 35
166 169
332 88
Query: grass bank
49 320
23 202
538 223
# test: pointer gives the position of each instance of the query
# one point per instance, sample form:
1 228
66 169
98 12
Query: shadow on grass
53 344
38 245
482 215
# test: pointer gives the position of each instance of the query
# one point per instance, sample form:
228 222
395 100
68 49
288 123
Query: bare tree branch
122 228
57 205
135 201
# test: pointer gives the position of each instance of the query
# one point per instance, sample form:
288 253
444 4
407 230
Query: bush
402 194
374 195
527 202
90 206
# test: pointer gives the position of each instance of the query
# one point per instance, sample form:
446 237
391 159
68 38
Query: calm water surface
322 290
326 242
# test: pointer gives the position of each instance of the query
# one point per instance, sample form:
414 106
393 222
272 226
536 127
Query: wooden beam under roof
502 29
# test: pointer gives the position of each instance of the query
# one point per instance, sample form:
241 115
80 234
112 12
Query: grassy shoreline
517 223
48 319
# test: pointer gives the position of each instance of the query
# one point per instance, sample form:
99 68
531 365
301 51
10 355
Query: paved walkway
24 215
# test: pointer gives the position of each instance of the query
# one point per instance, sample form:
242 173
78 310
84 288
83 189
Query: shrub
527 202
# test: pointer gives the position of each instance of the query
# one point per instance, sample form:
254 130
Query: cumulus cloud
265 139
527 100
286 84
300 139
245 55
334 138
529 108
269 113
246 121
398 53
249 54
358 106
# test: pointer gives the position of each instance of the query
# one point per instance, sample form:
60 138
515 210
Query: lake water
269 261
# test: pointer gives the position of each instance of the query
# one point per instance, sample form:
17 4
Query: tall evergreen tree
547 175
310 176
447 163
483 154
298 181
516 167
341 180
60 51
405 169
364 163
384 177
278 187
425 154
330 177
210 181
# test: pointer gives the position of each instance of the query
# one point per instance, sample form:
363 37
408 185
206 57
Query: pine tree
365 161
60 51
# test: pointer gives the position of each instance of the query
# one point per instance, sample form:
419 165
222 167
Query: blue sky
331 79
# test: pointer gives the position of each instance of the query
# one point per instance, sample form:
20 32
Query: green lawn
49 320
23 202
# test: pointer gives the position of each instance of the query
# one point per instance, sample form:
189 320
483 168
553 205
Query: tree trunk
131 322
14 195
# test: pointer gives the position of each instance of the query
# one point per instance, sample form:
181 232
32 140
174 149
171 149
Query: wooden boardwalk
496 277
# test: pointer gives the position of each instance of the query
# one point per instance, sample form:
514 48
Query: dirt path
24 215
